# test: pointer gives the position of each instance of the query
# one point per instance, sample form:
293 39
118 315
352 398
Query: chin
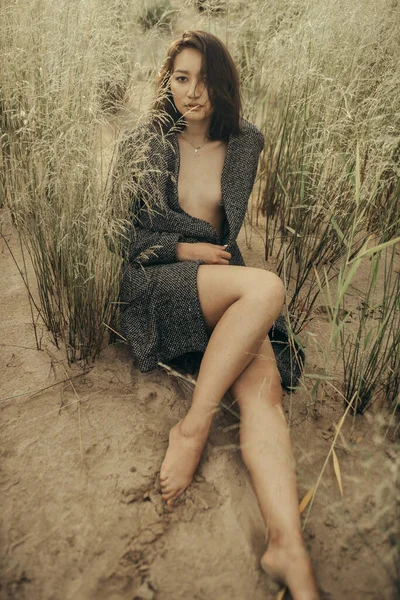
196 115
193 116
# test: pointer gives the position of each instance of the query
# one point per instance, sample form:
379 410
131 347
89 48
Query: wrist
182 250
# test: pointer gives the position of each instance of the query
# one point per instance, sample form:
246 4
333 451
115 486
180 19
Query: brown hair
220 73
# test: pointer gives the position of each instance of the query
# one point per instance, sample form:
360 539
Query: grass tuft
158 14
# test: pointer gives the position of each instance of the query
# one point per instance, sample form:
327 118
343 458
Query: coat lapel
232 177
234 185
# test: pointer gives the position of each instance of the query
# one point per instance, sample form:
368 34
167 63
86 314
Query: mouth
193 105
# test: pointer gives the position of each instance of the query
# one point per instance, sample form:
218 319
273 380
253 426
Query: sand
82 516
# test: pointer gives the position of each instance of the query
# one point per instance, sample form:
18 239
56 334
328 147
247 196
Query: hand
211 254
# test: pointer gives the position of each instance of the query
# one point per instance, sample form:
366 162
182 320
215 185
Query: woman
186 290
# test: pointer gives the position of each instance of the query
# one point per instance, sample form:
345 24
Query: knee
269 287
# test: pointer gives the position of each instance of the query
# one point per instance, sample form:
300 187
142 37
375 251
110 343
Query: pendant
196 152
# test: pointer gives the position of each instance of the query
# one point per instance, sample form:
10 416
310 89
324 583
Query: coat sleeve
258 148
141 176
150 247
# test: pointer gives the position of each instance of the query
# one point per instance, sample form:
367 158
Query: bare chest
199 181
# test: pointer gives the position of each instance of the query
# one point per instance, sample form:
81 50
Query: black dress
161 315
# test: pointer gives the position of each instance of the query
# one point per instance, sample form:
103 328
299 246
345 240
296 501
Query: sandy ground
82 516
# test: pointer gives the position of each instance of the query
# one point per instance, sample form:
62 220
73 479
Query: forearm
184 251
152 247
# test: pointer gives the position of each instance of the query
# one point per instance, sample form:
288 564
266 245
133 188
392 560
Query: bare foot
181 461
291 567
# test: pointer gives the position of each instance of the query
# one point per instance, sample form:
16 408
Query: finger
226 255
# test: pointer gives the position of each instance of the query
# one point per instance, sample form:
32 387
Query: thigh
219 286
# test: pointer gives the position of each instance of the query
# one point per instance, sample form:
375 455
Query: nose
195 90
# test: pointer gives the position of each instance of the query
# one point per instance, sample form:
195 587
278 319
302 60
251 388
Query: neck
198 130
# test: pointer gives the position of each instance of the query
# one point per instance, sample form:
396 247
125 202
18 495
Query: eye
180 77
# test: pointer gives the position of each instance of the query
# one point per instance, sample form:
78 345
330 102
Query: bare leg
240 325
267 453
240 305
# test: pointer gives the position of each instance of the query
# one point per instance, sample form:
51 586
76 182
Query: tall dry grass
66 68
320 79
371 352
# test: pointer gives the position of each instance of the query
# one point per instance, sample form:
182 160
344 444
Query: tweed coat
160 312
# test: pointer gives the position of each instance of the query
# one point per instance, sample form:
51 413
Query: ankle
291 541
193 427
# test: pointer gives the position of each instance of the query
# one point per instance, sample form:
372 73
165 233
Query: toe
174 495
169 495
171 501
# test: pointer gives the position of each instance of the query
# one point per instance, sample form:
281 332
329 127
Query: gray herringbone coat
161 315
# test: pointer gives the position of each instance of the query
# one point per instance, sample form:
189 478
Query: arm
153 247
154 238
258 147
139 184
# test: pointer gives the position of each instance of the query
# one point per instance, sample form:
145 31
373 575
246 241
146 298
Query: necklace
196 148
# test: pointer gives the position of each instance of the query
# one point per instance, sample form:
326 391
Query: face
191 101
